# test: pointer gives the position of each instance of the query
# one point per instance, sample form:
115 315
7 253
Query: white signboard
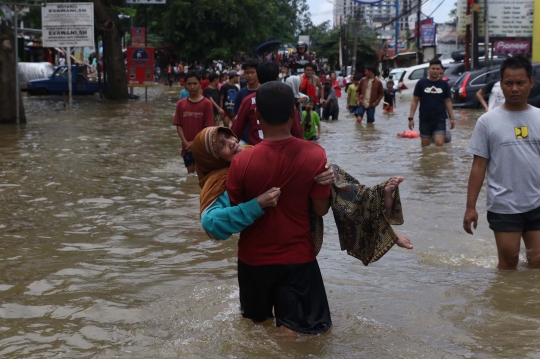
506 18
148 2
68 24
511 18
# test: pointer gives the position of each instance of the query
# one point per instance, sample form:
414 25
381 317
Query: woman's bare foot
390 187
403 241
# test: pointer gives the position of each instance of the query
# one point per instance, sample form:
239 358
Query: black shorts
189 159
428 128
295 291
518 222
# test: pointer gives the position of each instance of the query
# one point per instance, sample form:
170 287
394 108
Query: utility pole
486 35
419 57
468 38
355 45
475 62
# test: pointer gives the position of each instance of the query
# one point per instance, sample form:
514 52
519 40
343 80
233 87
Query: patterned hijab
211 168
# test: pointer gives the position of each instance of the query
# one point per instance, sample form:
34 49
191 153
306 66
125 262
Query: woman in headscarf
294 83
213 149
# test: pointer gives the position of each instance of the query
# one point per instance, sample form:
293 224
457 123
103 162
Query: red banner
140 66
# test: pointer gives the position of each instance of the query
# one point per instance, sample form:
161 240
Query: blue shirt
221 219
240 96
432 99
184 93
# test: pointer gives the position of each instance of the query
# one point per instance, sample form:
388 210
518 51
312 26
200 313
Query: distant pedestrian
506 143
227 97
330 102
311 123
433 94
250 74
351 94
192 115
211 92
368 95
389 102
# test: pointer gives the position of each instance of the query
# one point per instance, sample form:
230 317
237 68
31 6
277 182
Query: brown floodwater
102 254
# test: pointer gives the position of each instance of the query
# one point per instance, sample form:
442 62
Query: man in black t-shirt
434 97
227 96
211 92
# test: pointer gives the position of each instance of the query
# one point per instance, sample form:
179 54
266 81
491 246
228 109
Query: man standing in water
434 97
277 268
368 95
192 115
506 142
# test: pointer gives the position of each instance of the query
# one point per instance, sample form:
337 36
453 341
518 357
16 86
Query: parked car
409 78
396 73
57 83
32 71
534 96
464 90
454 70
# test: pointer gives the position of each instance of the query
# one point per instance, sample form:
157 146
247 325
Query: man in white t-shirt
506 142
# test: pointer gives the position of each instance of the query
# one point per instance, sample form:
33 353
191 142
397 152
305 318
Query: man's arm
185 142
348 98
476 179
296 129
414 105
220 110
321 206
450 110
480 97
380 94
320 86
359 92
208 120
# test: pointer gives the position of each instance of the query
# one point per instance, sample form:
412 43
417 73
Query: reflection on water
102 254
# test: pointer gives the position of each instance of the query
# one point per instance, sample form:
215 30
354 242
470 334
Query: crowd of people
275 188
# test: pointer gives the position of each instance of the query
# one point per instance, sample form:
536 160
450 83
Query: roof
404 54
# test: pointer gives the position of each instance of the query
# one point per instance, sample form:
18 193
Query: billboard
514 47
507 18
68 24
446 33
138 36
140 66
428 33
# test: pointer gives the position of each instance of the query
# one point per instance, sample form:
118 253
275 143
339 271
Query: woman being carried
214 149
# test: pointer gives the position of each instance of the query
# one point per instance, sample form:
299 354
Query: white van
33 71
411 76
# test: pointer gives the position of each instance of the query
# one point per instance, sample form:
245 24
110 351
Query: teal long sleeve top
222 219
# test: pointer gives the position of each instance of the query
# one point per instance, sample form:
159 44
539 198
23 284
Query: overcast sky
321 10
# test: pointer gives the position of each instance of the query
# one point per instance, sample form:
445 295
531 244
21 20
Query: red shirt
282 235
204 84
193 117
247 115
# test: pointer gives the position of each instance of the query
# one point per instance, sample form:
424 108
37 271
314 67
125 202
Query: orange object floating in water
409 134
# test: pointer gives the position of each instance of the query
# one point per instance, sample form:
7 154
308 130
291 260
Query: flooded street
103 256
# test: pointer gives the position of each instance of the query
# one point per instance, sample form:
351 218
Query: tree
211 29
453 14
8 108
111 30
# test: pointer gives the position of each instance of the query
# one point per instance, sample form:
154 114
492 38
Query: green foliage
325 42
453 14
32 19
210 29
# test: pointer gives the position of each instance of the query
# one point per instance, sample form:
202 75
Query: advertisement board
428 33
138 36
514 47
506 18
68 24
140 66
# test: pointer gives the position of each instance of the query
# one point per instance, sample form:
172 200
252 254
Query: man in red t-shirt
277 267
246 117
192 115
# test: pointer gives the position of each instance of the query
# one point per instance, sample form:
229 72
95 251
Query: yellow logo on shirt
521 132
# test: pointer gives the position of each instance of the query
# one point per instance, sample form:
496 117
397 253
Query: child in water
310 120
389 98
